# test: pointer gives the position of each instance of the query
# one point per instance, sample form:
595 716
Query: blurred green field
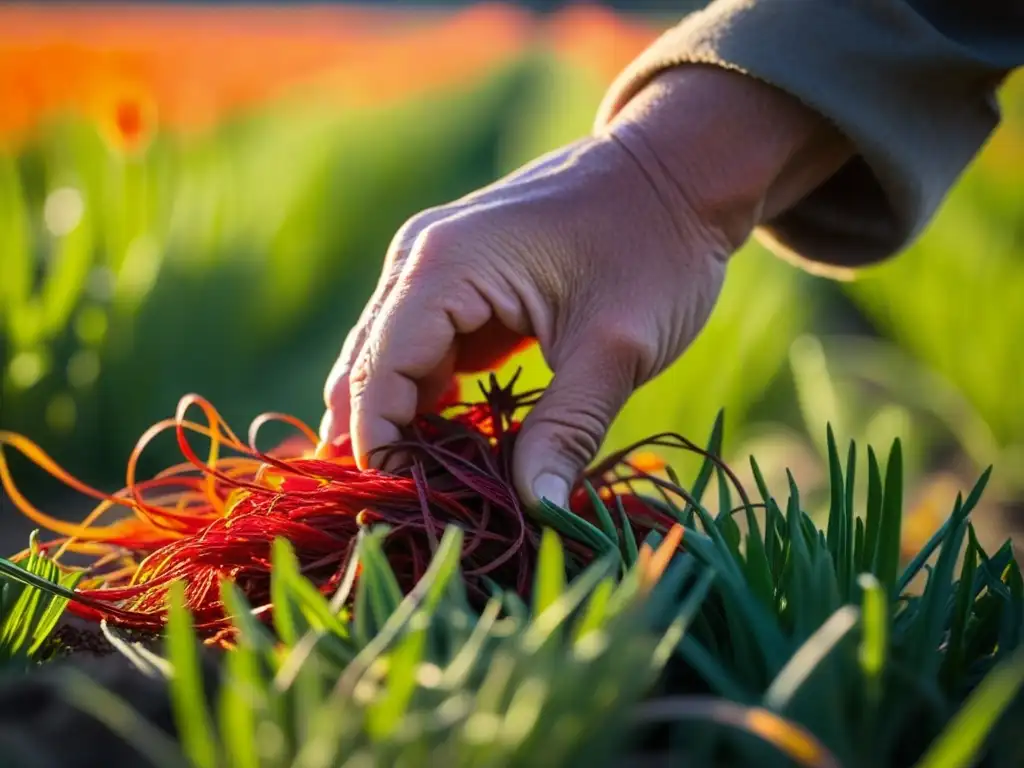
232 264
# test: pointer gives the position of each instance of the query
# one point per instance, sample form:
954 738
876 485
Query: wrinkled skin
610 253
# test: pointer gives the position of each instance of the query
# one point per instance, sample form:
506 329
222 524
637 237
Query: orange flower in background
127 116
466 44
598 39
928 513
135 69
189 66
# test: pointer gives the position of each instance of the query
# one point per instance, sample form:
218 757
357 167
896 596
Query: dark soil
40 728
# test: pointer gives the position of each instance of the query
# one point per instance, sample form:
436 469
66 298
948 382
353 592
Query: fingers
409 353
565 430
337 417
337 395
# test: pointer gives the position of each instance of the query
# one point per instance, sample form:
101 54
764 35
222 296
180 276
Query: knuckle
438 241
442 256
578 443
633 347
415 224
359 378
578 433
407 235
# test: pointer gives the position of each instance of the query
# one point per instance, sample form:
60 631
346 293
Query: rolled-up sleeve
911 83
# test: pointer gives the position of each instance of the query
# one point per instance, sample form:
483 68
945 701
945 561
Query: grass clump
425 678
30 608
749 636
822 626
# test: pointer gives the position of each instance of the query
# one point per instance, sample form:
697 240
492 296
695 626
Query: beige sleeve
912 84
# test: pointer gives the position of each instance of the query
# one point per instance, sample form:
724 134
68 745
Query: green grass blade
85 694
939 536
711 669
631 550
680 516
17 622
757 565
547 623
930 625
887 554
724 495
731 536
759 480
757 622
307 693
339 600
799 576
725 552
55 607
953 666
836 526
469 655
300 593
377 591
604 517
873 516
809 658
873 651
243 693
596 613
775 548
251 632
714 448
186 689
549 582
31 604
859 542
149 664
387 711
663 600
1012 624
18 574
428 592
688 609
514 606
961 743
573 527
286 616
849 559
757 571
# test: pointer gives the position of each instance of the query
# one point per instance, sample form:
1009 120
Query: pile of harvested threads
214 518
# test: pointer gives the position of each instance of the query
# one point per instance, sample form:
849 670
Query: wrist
736 150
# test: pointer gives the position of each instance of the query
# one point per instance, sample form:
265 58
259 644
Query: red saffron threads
217 517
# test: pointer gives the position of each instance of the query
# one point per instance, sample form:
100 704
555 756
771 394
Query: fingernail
553 488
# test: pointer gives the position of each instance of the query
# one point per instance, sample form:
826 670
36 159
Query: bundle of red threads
209 519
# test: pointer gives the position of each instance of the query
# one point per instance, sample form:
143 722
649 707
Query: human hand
609 252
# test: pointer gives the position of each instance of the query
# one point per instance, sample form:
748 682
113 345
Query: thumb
565 429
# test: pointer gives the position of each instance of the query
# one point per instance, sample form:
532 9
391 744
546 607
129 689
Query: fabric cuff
916 105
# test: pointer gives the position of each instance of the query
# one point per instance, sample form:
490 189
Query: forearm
761 150
909 83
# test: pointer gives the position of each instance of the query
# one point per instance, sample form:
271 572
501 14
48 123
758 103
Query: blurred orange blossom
129 66
598 39
132 68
